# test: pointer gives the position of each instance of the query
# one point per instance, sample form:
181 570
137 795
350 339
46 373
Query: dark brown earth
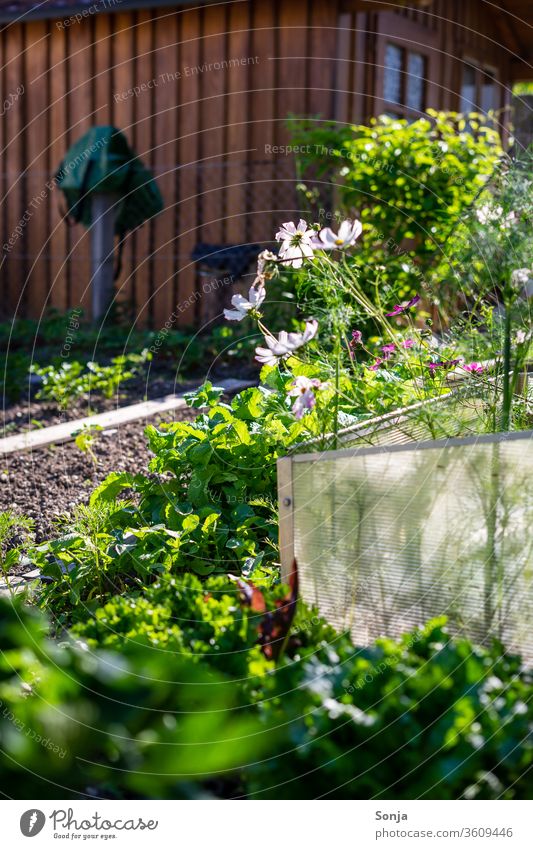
44 484
29 412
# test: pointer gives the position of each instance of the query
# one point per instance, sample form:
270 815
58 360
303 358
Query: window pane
416 73
392 85
488 92
468 90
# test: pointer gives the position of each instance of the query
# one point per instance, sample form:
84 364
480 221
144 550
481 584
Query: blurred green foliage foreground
166 694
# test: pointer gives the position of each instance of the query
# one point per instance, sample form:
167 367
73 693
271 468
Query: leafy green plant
86 438
209 505
83 563
114 724
201 619
72 379
428 716
16 533
409 183
61 384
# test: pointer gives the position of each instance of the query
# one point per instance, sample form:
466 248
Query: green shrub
75 723
131 705
14 369
428 717
208 506
408 182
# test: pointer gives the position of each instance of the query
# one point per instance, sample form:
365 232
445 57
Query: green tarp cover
103 162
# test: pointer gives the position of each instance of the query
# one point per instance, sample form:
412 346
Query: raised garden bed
45 483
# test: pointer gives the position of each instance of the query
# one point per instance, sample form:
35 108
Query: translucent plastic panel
387 538
464 411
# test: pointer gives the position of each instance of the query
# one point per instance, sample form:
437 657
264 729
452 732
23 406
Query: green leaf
112 485
202 568
190 523
205 396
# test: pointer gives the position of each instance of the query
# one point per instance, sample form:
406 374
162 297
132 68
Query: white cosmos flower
285 344
349 231
487 213
296 242
256 296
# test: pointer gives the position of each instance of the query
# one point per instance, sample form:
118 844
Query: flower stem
507 399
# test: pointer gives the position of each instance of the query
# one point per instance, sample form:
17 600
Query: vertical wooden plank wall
123 66
166 155
204 130
238 128
59 236
188 155
143 143
81 70
13 163
263 82
36 61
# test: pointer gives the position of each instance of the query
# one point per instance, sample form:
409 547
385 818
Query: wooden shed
202 91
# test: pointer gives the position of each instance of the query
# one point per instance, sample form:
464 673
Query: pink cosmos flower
285 344
445 364
389 348
408 343
297 242
303 389
349 231
475 368
401 308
